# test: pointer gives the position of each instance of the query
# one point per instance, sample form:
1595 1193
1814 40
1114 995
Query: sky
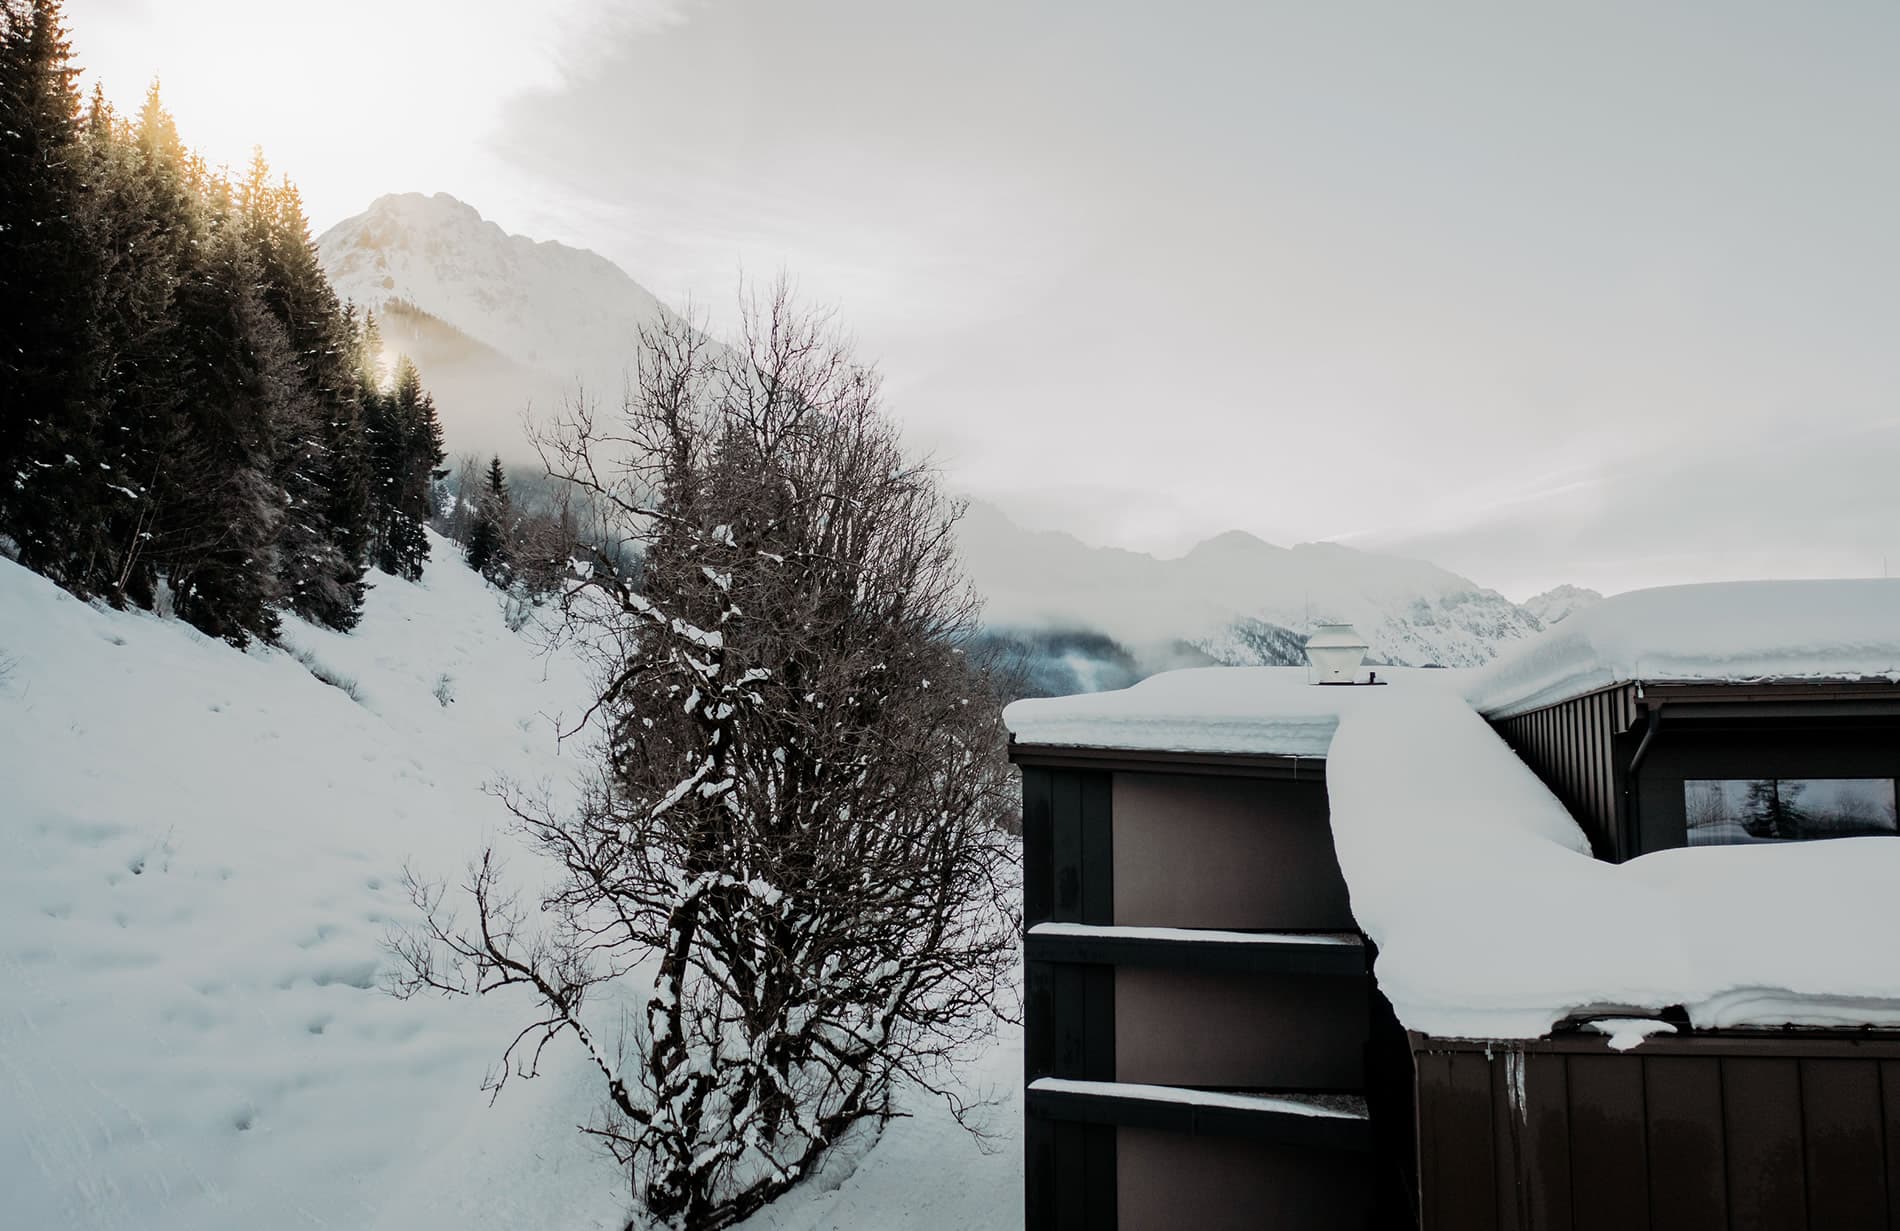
1601 294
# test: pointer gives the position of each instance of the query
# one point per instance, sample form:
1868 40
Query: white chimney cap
1336 650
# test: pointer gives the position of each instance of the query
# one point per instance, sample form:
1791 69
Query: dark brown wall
1573 748
1170 1182
1239 1031
1202 852
1714 1132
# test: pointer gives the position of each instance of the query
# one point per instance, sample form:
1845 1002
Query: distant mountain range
499 322
1237 599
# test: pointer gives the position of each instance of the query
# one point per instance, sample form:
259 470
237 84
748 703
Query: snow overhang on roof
1725 632
1493 921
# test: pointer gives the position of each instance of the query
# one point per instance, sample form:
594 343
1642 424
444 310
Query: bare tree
796 835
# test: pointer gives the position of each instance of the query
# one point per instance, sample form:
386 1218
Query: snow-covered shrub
796 827
444 689
334 679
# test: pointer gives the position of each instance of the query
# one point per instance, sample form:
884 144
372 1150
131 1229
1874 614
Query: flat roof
1237 711
1754 632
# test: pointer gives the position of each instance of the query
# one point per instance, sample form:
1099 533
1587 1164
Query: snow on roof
1248 710
1491 917
1727 631
1493 921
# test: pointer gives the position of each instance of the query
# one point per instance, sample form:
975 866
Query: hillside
205 854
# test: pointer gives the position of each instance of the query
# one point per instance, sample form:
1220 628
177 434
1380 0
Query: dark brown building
1199 1002
1207 1045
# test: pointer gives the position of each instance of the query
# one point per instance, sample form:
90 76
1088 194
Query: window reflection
1727 811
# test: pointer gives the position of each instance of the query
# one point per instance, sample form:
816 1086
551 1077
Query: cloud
352 98
1806 503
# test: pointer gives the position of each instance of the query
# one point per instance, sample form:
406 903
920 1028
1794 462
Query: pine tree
488 541
145 221
406 450
322 570
218 528
51 495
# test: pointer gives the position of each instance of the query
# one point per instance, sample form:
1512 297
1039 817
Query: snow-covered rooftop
1275 711
1726 631
1492 919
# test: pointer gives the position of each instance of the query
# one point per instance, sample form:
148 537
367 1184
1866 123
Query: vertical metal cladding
1788 1131
1572 747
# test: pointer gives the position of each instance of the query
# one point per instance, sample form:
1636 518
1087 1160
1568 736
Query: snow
1318 1106
1745 630
1241 710
204 855
1192 935
1628 1033
1494 922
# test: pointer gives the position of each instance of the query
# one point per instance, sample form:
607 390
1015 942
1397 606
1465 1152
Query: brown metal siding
1168 1182
1707 1133
1199 852
1571 746
1239 1031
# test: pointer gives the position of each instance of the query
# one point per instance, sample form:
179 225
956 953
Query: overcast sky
1609 296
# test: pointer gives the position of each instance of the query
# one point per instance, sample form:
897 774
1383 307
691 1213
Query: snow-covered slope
204 852
1221 593
1552 606
565 311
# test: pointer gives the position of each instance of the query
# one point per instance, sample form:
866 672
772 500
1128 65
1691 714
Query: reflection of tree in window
1722 811
1765 815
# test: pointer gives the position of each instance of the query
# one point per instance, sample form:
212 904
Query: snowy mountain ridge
1238 598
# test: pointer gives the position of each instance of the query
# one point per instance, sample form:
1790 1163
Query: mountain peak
565 311
1230 544
438 201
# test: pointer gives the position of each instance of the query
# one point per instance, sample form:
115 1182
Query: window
1728 811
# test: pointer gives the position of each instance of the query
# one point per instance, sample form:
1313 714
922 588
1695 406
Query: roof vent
1335 651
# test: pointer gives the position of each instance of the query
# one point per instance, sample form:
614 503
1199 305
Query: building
1601 936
